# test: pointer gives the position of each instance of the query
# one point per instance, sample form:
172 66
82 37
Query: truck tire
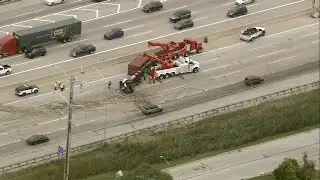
174 57
167 75
186 54
161 76
23 94
8 72
263 33
195 70
199 50
173 74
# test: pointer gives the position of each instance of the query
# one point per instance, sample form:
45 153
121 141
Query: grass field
206 138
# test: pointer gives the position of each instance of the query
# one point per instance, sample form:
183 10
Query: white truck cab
53 2
5 70
182 65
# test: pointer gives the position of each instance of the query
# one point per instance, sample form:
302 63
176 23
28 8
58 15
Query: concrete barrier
168 125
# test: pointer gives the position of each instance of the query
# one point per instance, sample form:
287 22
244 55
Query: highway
260 159
225 61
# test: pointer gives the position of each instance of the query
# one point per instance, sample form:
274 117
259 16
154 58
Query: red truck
21 40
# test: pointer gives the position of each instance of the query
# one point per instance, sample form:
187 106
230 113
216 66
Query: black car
253 80
98 0
179 15
114 33
35 52
37 139
149 109
26 89
152 6
237 11
82 50
184 23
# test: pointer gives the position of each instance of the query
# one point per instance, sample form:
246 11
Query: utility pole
67 163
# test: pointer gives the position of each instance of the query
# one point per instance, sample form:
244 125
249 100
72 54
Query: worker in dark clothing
62 86
145 73
109 85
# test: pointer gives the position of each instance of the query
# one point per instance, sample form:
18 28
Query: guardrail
2 2
169 125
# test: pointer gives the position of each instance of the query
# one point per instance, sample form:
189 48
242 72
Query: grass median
206 138
271 177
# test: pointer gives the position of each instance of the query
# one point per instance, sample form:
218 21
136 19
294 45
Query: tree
289 169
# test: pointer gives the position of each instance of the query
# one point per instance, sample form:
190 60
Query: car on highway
152 6
82 50
26 89
53 2
253 80
179 15
35 52
98 0
149 109
184 23
237 11
114 33
37 139
249 34
240 2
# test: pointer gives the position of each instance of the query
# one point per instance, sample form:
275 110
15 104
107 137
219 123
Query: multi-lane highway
260 159
225 61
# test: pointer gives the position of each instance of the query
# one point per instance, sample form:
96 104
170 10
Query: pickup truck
5 70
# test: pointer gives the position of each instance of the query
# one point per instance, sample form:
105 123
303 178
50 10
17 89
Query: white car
26 89
53 2
239 2
249 34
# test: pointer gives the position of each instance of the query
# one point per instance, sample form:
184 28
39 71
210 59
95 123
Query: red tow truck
175 49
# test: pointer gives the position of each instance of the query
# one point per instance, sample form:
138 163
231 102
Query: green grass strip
210 136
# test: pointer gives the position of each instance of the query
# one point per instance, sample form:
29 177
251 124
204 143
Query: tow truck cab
8 46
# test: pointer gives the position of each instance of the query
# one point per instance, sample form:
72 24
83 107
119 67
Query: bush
221 132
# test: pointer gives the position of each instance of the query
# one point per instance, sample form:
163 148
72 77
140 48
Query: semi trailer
21 40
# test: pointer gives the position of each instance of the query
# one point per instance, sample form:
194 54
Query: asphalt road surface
81 135
251 161
225 61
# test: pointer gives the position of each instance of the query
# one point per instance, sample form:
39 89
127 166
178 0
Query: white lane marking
90 82
293 29
26 62
21 25
179 32
253 5
28 13
315 41
2 134
5 32
11 58
138 34
93 10
171 89
72 42
44 20
310 34
225 75
281 60
214 59
92 121
262 46
140 2
122 22
55 120
2 145
171 9
270 54
223 48
28 98
112 4
200 18
217 68
227 3
68 15
133 27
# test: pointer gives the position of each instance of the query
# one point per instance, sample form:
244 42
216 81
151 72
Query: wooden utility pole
67 163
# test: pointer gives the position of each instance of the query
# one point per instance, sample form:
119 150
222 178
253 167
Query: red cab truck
21 40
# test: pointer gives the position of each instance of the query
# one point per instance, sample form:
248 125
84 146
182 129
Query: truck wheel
69 39
186 54
199 50
173 74
8 72
195 70
77 55
167 75
161 76
175 57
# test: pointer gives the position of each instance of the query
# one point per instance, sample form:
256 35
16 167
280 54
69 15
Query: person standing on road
62 86
56 85
109 85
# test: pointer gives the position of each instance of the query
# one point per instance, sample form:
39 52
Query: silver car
240 2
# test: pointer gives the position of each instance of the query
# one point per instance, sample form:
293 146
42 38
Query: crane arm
165 46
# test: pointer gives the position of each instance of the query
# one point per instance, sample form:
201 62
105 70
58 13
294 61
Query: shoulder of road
260 159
